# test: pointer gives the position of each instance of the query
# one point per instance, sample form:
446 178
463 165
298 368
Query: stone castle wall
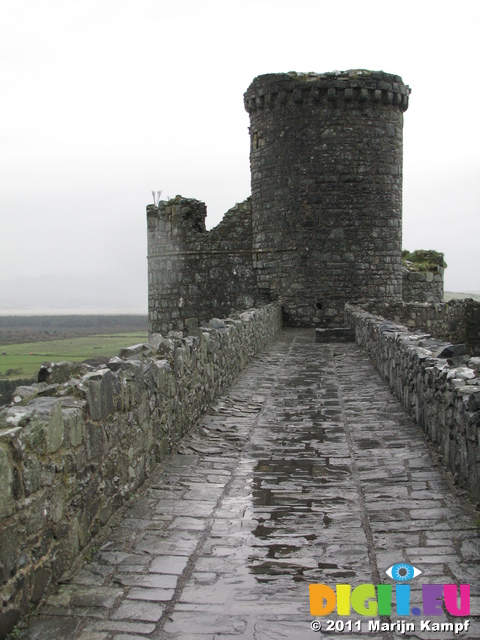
323 226
422 286
194 274
441 394
457 321
75 447
326 172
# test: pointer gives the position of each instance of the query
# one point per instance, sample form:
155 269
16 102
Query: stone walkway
307 471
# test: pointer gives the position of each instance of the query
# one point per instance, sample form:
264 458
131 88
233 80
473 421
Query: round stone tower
326 171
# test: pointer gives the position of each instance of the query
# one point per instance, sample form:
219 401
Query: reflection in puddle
302 490
291 514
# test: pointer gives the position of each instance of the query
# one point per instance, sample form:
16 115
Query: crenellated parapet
359 85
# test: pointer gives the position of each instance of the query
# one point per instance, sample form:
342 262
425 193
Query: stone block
37 514
32 475
99 393
163 377
451 351
24 394
73 421
41 579
9 549
95 440
136 351
162 345
55 429
114 364
15 417
6 480
8 620
58 372
43 423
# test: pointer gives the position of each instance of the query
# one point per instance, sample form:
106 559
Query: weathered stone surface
422 286
326 191
335 334
451 351
6 481
196 274
306 471
58 372
323 225
8 620
456 321
440 396
67 462
99 392
136 351
57 628
8 550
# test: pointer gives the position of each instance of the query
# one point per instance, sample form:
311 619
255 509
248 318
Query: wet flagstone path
306 471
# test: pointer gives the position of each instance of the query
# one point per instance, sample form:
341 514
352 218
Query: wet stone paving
307 471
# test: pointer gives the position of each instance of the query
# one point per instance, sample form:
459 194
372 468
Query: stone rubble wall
326 174
441 393
195 274
454 321
75 447
422 286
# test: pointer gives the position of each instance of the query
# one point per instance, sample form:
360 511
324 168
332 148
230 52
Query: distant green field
24 360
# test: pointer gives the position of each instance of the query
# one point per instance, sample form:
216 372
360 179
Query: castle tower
326 173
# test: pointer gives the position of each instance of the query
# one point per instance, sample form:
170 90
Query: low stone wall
453 321
76 446
440 390
422 286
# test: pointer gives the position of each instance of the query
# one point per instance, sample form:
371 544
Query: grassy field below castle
27 342
24 359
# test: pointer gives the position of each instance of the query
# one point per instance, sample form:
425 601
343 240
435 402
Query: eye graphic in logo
402 572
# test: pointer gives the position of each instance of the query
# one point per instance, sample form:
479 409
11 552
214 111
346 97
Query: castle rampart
457 321
74 448
322 229
324 224
440 391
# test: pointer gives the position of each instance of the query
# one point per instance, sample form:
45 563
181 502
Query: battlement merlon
179 213
353 85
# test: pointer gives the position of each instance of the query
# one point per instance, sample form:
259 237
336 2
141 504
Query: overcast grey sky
105 100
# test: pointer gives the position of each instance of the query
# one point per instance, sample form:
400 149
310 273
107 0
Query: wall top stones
75 447
355 84
186 214
436 382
